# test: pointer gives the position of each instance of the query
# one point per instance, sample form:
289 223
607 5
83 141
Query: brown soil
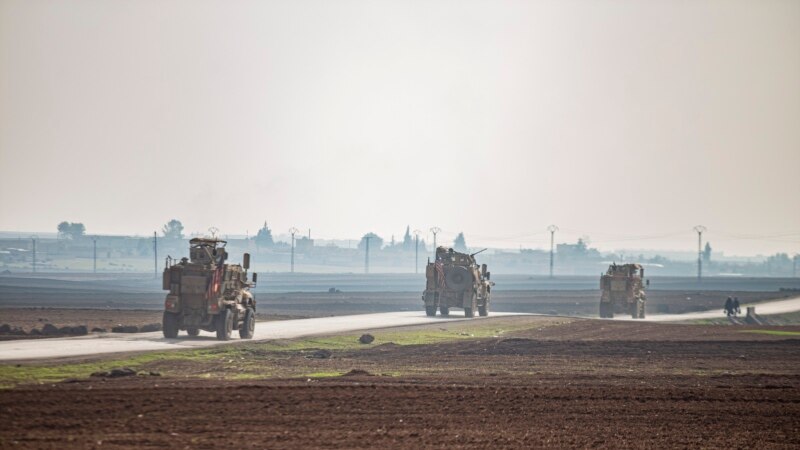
373 412
565 302
118 292
29 318
567 383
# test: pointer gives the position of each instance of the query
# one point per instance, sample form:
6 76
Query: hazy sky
625 121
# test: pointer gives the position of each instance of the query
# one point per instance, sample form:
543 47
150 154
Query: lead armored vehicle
207 294
455 280
622 291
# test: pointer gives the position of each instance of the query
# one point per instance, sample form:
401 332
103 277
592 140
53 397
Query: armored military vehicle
622 291
207 294
455 280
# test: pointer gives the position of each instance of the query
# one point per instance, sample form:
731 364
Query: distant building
303 244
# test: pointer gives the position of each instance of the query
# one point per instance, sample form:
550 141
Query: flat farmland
516 382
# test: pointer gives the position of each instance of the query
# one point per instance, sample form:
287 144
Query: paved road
762 309
97 344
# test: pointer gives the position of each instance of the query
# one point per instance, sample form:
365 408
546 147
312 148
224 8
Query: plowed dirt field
573 383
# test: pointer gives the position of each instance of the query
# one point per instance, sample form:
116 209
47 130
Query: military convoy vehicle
455 280
207 294
622 291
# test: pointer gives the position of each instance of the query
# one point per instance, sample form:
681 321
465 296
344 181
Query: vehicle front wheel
170 325
430 311
468 312
483 310
224 325
248 324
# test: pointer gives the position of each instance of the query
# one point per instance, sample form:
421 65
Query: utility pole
155 254
435 231
33 241
794 267
552 229
416 251
366 255
699 229
293 231
94 255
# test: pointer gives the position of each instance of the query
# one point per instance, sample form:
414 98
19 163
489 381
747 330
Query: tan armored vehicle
622 291
454 280
207 294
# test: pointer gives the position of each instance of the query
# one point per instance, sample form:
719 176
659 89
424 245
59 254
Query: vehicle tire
457 277
641 310
483 310
444 310
224 325
469 312
170 325
248 324
635 311
430 311
602 311
193 332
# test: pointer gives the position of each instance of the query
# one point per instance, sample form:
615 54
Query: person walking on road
729 307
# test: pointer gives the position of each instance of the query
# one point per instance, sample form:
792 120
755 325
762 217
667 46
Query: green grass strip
773 332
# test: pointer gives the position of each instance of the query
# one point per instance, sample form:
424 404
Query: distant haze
625 121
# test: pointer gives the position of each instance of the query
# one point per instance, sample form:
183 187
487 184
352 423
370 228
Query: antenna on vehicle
480 251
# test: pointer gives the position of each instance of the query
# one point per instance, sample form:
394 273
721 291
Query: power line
366 254
94 254
416 250
33 261
155 254
552 229
293 231
435 231
699 229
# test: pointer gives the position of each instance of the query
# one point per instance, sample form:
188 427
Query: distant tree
63 229
264 236
78 230
375 242
779 264
408 241
658 259
71 230
460 244
707 253
173 229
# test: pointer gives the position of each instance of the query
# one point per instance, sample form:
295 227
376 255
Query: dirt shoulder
28 319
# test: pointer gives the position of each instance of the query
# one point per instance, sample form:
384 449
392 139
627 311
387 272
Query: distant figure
729 307
648 282
736 308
